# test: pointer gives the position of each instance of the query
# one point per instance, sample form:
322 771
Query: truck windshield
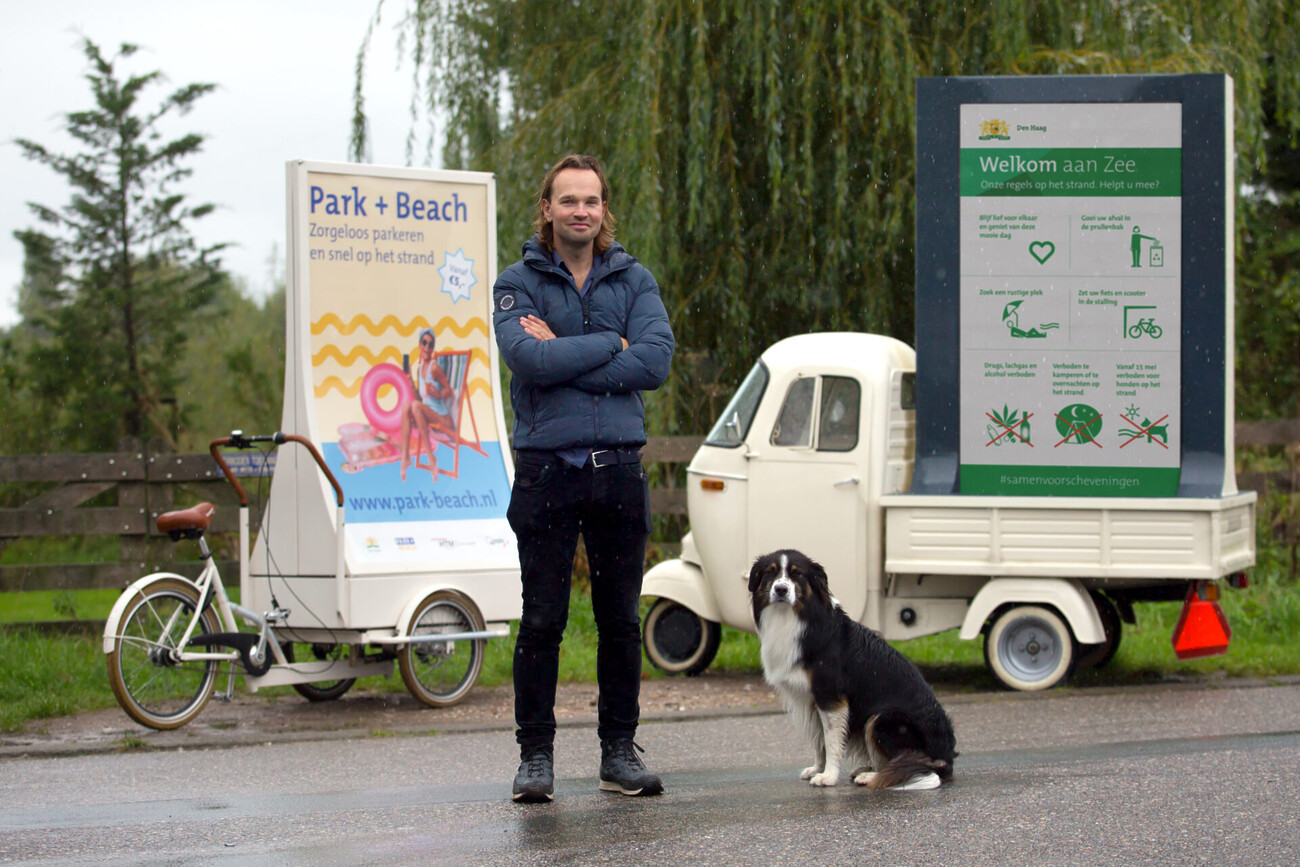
731 429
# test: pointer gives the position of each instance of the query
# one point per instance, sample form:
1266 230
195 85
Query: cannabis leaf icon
1007 417
1015 426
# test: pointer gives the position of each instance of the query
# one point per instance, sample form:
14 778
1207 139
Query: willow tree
762 154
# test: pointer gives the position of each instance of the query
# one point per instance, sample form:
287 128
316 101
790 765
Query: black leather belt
618 455
601 456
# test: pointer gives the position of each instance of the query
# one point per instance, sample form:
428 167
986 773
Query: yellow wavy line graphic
349 390
388 353
391 322
335 384
480 385
329 350
361 320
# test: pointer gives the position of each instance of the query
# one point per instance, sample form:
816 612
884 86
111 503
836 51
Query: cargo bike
423 569
169 639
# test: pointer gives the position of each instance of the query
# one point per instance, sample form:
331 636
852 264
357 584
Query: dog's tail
898 751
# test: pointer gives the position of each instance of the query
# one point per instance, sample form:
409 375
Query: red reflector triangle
1202 629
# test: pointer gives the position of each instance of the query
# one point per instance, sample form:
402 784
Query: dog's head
789 577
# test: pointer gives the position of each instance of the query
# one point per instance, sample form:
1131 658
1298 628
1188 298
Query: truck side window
792 427
841 398
732 427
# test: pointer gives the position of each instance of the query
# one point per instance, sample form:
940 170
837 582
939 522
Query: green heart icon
1042 250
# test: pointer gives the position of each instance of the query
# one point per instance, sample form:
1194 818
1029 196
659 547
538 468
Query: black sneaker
535 782
621 769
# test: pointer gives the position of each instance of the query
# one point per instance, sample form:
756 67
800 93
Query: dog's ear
755 574
818 579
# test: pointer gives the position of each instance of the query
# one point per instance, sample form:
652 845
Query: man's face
575 209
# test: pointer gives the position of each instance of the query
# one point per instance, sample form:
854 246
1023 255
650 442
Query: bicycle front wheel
150 682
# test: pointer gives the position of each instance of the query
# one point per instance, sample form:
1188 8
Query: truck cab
820 429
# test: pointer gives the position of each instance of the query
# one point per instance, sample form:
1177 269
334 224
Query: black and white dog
861 703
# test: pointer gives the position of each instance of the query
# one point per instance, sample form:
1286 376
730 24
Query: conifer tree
122 274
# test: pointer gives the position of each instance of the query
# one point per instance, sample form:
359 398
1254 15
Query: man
1135 245
582 328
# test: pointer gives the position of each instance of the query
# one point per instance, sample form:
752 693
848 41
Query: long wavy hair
545 232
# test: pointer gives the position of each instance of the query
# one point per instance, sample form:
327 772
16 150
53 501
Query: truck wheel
1029 647
679 641
1097 655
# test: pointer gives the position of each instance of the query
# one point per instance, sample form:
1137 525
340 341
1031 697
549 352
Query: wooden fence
148 482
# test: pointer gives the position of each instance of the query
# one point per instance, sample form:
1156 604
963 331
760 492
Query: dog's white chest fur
781 633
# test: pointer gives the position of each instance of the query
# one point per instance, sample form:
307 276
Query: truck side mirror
733 424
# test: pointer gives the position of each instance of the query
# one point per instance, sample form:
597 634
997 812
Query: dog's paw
920 782
864 778
809 773
824 779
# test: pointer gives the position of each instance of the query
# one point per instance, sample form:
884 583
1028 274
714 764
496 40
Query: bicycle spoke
165 629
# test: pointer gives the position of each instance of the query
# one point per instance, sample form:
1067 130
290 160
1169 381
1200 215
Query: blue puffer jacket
581 389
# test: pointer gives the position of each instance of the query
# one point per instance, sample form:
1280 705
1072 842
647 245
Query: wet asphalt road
1159 775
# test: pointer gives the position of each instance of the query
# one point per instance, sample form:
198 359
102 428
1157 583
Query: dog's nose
780 590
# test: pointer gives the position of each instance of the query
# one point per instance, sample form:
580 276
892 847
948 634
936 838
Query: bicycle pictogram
1143 324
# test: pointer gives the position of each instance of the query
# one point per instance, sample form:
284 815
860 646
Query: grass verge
53 675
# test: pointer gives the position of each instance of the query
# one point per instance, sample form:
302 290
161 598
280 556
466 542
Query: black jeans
552 502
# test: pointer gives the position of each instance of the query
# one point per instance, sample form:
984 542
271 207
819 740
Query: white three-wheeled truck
815 451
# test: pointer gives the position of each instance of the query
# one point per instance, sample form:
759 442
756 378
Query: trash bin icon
1157 256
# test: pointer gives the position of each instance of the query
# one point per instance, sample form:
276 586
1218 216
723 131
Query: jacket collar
614 259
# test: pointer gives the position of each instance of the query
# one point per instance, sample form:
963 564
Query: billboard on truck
1074 286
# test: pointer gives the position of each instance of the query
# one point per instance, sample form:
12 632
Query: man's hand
540 330
536 327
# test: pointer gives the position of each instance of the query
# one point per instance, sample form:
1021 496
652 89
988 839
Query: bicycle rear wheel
151 684
440 673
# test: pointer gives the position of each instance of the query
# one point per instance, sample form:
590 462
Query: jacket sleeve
644 365
543 362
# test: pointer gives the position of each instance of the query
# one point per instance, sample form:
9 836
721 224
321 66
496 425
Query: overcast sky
284 70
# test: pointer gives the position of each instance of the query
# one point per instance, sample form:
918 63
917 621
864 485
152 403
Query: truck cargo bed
1069 536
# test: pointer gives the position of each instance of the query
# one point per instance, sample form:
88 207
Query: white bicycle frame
210 577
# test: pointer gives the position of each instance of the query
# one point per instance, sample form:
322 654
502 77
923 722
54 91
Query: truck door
806 486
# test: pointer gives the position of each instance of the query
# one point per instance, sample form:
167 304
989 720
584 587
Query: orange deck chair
455 364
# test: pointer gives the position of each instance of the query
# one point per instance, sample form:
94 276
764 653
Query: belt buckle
595 461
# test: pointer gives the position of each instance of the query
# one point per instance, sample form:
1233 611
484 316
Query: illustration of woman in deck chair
434 404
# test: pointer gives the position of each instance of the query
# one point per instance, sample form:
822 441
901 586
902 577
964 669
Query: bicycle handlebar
240 441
